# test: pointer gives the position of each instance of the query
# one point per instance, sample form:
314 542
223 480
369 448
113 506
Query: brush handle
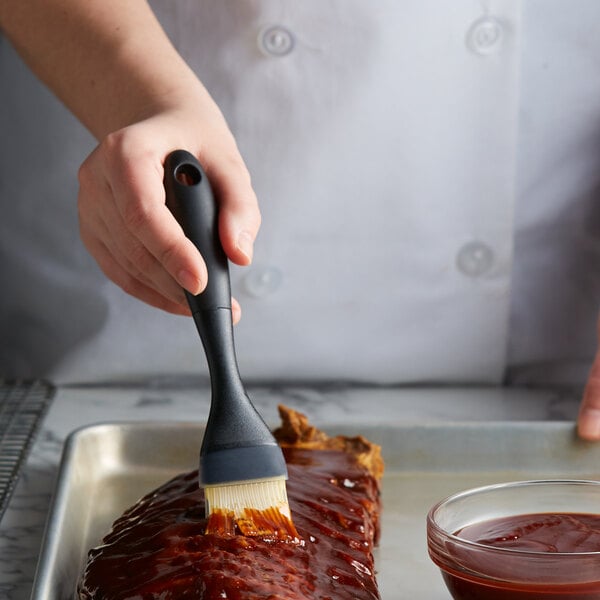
233 422
189 197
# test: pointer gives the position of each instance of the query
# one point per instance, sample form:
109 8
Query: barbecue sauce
543 532
267 524
160 549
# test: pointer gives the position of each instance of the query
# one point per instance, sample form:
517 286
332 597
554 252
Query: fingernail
245 244
189 282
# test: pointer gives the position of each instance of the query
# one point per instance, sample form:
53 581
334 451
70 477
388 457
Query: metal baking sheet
107 467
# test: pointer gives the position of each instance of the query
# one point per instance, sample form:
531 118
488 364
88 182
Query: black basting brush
242 468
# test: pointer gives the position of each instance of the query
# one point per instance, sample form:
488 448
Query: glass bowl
489 566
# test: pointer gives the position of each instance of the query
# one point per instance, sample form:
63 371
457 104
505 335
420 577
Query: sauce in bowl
520 540
554 533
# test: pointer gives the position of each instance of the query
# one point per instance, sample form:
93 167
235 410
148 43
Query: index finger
588 422
140 197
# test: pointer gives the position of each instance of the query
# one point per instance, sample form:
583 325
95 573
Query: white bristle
258 495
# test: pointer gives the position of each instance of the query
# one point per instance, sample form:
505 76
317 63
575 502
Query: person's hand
124 222
588 422
113 66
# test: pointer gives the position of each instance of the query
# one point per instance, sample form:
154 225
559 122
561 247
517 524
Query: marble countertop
22 527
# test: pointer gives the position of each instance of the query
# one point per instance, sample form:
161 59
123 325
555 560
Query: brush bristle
259 495
256 508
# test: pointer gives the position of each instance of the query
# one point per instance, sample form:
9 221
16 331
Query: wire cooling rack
22 407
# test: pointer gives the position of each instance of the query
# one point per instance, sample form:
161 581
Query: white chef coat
428 177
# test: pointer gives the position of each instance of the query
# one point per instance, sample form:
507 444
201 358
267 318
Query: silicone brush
242 468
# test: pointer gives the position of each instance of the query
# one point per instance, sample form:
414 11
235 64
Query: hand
124 222
588 422
113 66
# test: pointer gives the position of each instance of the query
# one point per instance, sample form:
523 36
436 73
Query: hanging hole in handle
188 175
